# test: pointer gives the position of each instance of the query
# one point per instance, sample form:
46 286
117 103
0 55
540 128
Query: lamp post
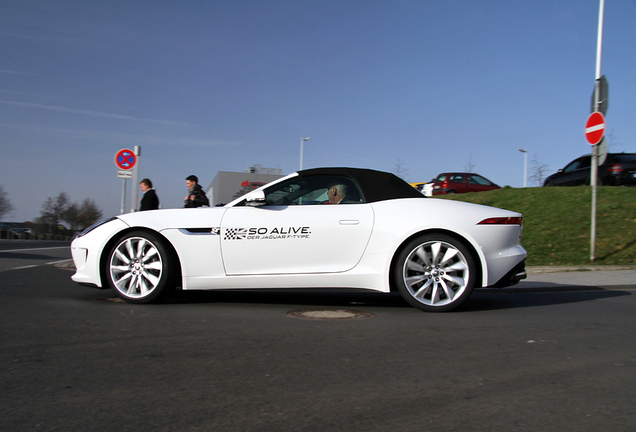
525 167
302 141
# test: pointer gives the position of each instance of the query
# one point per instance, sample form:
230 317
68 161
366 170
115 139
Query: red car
450 183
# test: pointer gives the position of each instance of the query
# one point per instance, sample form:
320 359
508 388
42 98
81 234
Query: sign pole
123 196
125 160
135 180
594 176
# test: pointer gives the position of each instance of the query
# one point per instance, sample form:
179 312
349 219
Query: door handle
349 222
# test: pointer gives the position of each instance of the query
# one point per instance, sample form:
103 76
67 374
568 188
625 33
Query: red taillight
502 221
615 169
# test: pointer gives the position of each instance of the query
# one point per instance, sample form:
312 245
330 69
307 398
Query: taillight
615 169
502 221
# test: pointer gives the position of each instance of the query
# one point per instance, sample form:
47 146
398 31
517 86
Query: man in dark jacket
149 201
196 197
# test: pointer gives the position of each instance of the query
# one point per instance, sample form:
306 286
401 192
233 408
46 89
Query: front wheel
435 273
139 268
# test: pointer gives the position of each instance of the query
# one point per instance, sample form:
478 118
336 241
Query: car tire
139 268
435 272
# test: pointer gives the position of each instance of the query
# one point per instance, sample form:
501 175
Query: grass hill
557 222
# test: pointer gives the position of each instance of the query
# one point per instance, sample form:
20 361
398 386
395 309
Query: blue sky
420 86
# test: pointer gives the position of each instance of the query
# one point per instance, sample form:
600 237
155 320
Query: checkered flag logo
235 234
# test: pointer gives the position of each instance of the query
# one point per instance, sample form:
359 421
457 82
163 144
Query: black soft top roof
375 185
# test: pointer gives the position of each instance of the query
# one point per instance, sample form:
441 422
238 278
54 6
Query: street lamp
525 167
302 141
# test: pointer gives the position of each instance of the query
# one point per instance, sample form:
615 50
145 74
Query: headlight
95 225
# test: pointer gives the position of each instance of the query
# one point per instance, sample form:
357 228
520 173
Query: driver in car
336 193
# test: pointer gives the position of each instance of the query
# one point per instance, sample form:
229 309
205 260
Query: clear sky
419 87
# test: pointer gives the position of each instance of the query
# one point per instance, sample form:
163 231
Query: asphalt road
548 355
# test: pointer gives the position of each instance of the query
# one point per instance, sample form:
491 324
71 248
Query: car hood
201 217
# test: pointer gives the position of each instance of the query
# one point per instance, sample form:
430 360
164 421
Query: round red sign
125 159
595 128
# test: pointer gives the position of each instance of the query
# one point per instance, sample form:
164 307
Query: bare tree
400 171
538 171
470 167
612 141
53 211
5 205
77 216
88 213
71 216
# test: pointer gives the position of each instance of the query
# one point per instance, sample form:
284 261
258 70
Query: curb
564 269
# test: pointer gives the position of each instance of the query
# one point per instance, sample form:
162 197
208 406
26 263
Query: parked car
383 235
618 169
452 183
418 185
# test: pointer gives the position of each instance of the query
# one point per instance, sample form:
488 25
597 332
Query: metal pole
594 174
525 167
302 141
599 39
134 205
123 196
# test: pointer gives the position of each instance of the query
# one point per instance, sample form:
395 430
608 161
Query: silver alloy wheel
436 273
136 267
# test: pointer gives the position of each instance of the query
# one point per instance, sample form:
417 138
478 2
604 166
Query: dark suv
618 169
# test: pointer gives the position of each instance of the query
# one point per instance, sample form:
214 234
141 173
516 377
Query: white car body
427 189
355 245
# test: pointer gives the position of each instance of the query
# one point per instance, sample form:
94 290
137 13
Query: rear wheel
139 268
435 273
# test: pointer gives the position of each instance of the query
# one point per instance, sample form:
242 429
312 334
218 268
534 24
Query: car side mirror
256 198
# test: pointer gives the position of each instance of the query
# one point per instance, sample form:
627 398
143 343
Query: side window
572 166
312 191
478 180
457 178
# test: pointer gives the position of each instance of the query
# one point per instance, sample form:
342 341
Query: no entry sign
125 159
595 128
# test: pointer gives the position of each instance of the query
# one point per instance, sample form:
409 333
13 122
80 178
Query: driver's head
336 193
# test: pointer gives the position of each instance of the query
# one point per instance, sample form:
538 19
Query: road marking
59 262
35 249
24 267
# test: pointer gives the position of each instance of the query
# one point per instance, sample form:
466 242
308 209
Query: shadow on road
548 295
480 300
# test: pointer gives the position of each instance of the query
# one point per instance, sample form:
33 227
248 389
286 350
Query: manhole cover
329 314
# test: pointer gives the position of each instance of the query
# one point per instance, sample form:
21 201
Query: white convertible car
318 228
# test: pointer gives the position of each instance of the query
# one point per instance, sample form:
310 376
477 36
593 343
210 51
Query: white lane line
24 267
59 262
35 249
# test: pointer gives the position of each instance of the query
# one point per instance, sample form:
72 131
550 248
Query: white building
228 186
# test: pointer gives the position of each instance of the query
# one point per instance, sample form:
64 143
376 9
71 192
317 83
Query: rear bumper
513 277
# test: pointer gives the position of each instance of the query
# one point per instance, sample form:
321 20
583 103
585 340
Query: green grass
557 222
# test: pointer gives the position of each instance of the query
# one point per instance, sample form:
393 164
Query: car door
302 236
457 183
477 183
576 173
